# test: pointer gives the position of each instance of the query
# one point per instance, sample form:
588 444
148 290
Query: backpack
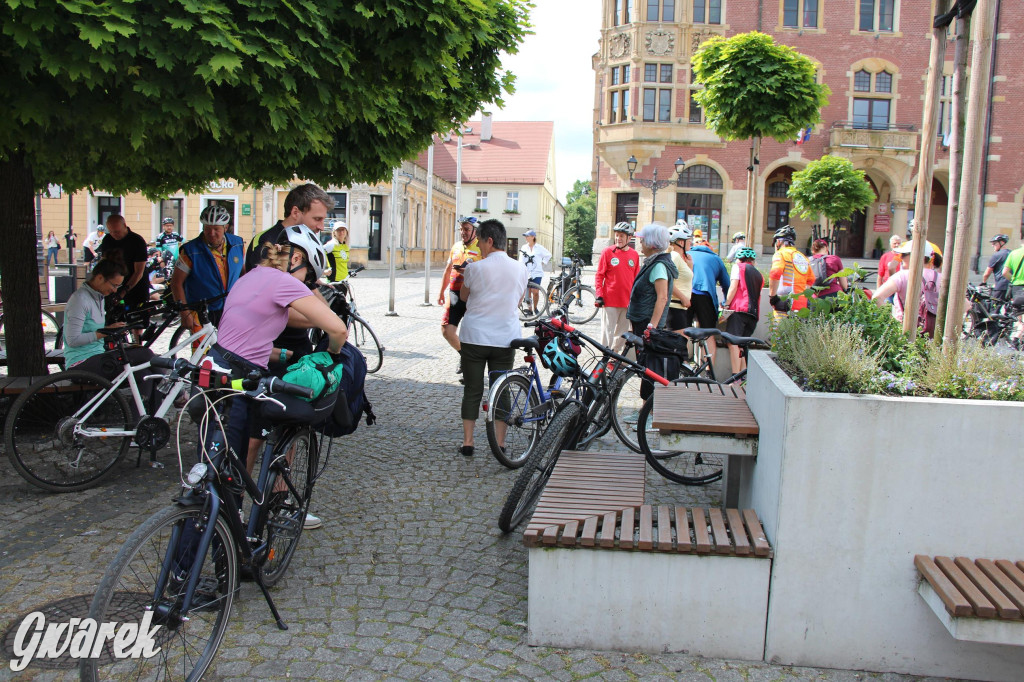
820 269
929 292
352 402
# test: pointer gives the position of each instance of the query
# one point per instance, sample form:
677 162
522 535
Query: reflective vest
205 280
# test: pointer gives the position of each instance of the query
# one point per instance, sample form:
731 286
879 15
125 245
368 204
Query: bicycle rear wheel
285 515
538 468
688 468
513 407
40 432
362 336
530 311
580 304
187 640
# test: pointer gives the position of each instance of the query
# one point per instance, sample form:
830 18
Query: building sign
220 186
53 191
882 223
246 209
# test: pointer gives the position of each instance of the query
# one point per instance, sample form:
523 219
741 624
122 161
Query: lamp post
654 183
398 178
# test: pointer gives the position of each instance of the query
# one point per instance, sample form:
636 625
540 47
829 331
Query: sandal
466 450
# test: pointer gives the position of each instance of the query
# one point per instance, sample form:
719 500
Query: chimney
485 126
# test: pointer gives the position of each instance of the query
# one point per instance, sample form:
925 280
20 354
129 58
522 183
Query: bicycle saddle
121 331
701 333
528 343
745 341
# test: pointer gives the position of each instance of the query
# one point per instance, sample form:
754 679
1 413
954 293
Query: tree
832 187
580 220
165 96
754 88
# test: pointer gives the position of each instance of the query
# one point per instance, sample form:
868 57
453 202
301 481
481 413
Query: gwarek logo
81 638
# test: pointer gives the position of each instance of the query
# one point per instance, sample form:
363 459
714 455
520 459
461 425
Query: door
376 217
849 236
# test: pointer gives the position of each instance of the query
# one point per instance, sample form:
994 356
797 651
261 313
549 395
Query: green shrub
833 356
975 371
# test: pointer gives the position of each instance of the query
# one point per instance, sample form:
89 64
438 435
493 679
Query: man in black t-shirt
133 249
1000 285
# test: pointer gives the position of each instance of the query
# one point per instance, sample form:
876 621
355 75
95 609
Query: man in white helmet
208 265
616 271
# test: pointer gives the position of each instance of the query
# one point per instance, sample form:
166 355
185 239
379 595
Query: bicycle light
196 475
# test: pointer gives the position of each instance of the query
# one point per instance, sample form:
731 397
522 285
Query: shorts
678 318
454 313
702 308
740 324
537 280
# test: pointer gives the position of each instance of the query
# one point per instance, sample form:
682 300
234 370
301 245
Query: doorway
376 217
849 236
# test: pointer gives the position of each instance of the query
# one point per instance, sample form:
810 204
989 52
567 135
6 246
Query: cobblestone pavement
409 578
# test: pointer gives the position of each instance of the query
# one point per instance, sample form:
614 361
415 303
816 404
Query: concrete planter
849 488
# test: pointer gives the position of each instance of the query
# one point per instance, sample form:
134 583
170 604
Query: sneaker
458 370
312 522
632 418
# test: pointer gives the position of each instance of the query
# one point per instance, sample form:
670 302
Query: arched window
701 176
702 210
872 99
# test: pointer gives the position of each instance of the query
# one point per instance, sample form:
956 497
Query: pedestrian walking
535 257
464 251
616 271
790 274
52 248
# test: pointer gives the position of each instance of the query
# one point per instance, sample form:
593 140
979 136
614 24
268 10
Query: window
481 201
778 215
778 189
800 13
666 73
700 176
340 210
623 12
946 109
696 114
618 99
701 209
707 11
862 81
171 208
615 76
664 105
872 112
376 219
512 202
667 7
877 15
883 82
626 205
657 105
649 98
105 207
650 73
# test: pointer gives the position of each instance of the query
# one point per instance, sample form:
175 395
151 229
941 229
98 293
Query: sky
555 82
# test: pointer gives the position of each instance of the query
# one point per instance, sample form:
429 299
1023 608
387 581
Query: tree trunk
19 268
956 156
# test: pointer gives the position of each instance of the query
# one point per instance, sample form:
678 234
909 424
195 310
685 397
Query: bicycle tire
53 332
362 336
179 334
284 516
38 432
580 304
538 467
511 397
599 421
688 468
126 592
527 311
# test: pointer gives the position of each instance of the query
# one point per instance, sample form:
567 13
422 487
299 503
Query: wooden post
956 156
924 176
981 34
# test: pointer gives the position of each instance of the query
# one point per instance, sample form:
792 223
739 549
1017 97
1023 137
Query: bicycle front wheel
513 417
362 336
580 304
688 468
286 513
538 467
534 303
137 586
40 433
52 332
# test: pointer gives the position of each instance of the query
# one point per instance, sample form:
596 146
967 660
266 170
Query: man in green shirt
1013 271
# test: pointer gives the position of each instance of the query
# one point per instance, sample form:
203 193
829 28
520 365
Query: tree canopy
580 220
832 187
168 95
754 88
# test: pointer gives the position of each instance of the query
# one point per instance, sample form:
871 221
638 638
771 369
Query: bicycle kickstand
270 601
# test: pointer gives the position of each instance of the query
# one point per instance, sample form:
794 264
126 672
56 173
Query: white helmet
679 231
215 215
302 237
623 227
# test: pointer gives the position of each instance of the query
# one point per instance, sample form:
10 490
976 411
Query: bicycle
53 337
565 291
360 334
69 430
576 422
183 564
690 468
992 320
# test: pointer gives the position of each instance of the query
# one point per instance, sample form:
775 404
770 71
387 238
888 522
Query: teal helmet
746 252
558 357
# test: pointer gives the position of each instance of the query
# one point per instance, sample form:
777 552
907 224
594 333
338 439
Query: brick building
872 54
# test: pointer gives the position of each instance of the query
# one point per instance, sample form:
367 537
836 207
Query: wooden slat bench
976 600
711 419
609 571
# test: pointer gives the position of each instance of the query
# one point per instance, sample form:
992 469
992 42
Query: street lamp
398 178
654 183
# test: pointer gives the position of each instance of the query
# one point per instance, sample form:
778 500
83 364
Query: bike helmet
746 252
167 221
679 231
215 215
558 357
302 237
623 227
472 220
785 233
999 238
739 235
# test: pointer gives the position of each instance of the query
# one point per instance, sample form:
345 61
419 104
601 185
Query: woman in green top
337 252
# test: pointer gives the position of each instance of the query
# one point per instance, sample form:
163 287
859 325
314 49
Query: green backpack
317 371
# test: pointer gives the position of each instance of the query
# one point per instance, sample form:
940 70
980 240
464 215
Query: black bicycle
566 291
992 320
184 563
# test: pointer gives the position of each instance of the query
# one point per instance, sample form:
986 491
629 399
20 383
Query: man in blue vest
208 265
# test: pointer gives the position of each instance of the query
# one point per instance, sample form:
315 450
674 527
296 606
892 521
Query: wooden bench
609 571
711 419
976 600
53 357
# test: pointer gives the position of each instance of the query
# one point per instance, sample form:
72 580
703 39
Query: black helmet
785 233
999 238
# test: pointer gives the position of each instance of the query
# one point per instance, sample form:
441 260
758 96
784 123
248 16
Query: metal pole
458 175
427 251
654 194
391 244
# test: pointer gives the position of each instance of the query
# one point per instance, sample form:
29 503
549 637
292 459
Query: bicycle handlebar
566 327
252 383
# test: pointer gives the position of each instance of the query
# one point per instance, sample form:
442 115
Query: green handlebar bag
317 371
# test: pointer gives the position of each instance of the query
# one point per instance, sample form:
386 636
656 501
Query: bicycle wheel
599 419
688 468
284 513
187 640
53 333
530 311
512 406
579 303
362 336
537 471
40 432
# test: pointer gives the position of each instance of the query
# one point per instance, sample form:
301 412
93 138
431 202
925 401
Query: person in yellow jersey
790 273
465 250
337 252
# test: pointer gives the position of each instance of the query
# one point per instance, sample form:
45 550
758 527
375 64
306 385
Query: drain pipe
988 141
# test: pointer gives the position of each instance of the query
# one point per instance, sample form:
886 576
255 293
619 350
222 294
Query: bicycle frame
207 336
